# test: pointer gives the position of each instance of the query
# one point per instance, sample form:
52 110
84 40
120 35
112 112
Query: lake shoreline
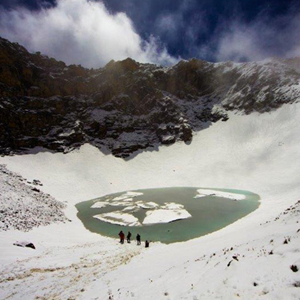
151 213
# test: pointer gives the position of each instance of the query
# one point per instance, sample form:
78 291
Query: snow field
259 153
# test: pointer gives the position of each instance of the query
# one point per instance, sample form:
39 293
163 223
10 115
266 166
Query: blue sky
160 31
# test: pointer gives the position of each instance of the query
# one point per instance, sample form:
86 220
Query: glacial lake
167 215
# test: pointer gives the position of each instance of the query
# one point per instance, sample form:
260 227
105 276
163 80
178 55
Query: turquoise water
209 213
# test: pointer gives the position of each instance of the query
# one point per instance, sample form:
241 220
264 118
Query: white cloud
187 24
240 42
262 38
82 32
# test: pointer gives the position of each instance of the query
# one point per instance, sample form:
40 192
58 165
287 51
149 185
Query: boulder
24 244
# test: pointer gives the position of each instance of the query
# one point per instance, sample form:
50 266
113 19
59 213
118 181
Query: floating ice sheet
128 196
99 204
147 205
121 198
165 216
131 208
172 205
119 218
233 196
120 203
134 194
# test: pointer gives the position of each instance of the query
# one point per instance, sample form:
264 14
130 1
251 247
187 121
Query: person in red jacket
122 237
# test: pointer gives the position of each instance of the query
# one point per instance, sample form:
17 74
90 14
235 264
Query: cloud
86 32
82 32
183 27
242 42
261 38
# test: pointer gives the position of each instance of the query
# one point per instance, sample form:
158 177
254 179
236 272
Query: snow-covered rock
24 244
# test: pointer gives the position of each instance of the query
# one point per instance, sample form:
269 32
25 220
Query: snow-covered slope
249 259
23 206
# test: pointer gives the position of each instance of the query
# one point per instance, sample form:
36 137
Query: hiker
128 237
122 237
146 244
138 239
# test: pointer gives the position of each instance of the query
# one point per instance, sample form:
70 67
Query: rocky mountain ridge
128 106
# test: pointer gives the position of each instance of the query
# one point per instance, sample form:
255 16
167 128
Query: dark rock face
127 106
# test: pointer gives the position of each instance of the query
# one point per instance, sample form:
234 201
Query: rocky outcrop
127 106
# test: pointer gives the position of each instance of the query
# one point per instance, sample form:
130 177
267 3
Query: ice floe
128 196
132 208
165 216
118 218
172 205
120 198
99 204
134 194
206 192
147 205
166 213
120 203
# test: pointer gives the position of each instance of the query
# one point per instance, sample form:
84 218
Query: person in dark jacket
122 237
147 244
138 239
128 237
